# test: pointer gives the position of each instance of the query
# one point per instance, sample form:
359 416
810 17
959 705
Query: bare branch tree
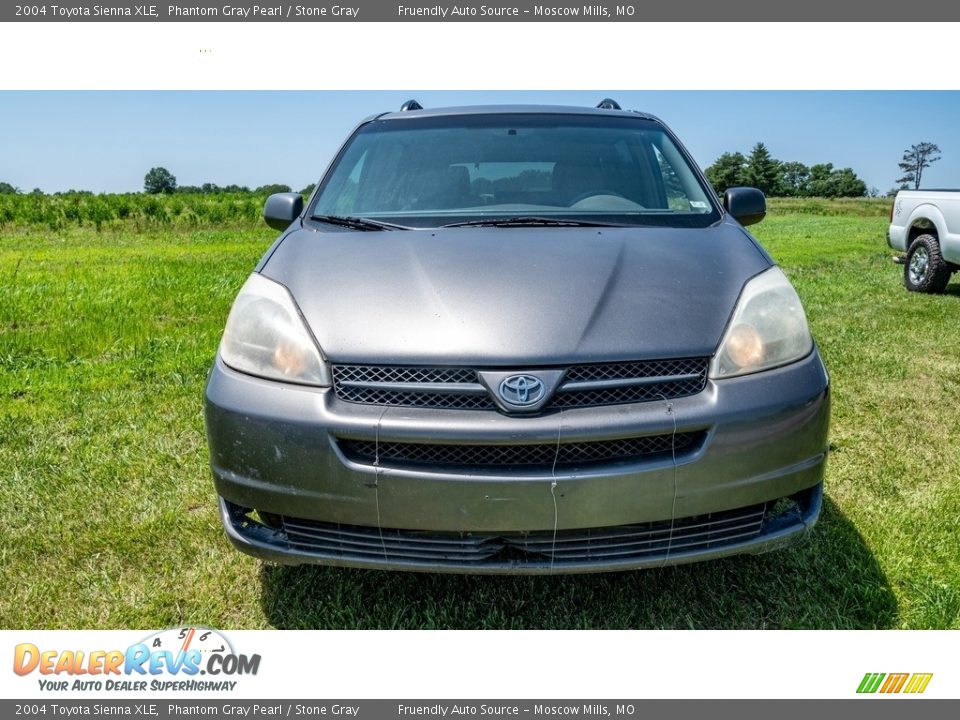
916 160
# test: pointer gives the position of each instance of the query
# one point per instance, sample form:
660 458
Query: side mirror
746 204
281 209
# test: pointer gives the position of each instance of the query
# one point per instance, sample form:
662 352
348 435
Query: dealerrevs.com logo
179 659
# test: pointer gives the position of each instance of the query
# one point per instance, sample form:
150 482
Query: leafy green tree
727 171
827 181
845 183
917 159
7 189
793 179
819 183
762 170
308 189
159 180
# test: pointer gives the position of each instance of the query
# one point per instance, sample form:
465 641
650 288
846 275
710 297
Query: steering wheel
594 193
619 201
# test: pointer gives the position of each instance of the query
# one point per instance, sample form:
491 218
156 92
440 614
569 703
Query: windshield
434 171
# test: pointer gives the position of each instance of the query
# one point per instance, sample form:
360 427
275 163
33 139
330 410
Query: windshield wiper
358 223
529 220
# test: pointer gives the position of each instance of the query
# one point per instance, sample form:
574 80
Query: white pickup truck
925 224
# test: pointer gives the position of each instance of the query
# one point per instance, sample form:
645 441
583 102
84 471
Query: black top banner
472 11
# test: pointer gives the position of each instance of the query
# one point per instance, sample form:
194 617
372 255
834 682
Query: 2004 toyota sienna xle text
516 339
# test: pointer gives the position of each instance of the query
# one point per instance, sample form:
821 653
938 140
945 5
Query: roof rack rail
608 104
411 105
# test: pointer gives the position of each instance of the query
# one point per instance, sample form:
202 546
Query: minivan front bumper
751 482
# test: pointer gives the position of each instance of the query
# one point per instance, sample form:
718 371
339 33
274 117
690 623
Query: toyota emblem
521 390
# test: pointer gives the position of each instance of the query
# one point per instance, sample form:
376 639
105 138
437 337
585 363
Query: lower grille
612 544
544 456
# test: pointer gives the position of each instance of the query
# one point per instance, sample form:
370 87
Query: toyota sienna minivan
516 340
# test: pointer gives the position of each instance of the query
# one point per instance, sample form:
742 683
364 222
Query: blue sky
106 141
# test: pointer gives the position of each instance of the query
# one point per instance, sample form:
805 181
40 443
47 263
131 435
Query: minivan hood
522 296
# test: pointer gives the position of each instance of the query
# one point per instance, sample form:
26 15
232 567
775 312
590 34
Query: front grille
623 543
402 374
538 457
650 380
455 388
440 401
645 369
402 386
632 394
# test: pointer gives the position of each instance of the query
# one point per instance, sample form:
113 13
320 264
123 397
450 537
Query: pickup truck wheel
925 270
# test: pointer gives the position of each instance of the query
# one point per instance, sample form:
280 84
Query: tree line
777 178
159 181
759 169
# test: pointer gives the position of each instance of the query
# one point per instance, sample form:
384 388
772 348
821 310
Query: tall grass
831 207
136 210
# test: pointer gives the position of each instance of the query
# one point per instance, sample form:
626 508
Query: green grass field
109 517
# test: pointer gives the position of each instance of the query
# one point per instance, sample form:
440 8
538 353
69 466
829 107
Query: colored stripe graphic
894 683
870 682
918 682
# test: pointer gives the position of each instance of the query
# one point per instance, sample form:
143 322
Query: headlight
266 336
768 329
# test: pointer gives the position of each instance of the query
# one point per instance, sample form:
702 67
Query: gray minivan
516 339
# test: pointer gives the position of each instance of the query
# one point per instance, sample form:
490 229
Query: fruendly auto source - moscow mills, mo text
536 11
